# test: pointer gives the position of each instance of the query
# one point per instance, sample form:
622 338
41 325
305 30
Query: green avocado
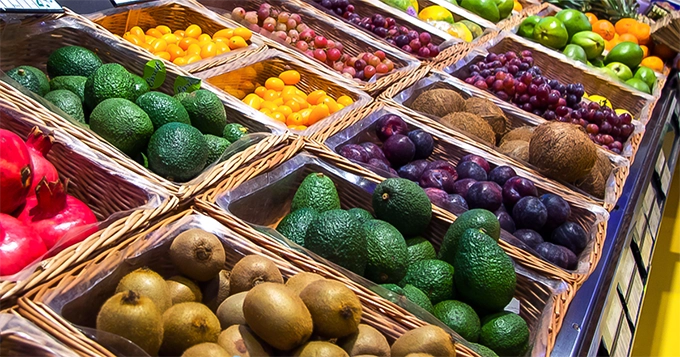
316 191
31 78
177 151
75 84
627 53
360 214
460 317
163 109
123 124
68 102
386 251
505 333
111 80
72 61
475 218
337 236
216 147
295 224
403 204
206 112
434 277
419 249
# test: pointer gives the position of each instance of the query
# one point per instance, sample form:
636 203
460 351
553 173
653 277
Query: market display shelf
605 310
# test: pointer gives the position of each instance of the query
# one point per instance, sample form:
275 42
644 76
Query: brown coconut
562 151
471 124
517 149
439 102
489 112
523 133
595 182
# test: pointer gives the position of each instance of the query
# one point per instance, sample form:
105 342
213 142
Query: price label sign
126 2
30 6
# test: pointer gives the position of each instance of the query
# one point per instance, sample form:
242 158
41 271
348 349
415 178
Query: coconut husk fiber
562 151
471 124
439 102
523 133
517 149
595 183
489 112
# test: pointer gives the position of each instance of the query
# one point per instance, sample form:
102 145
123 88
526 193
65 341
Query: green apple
639 84
647 75
622 71
550 32
608 72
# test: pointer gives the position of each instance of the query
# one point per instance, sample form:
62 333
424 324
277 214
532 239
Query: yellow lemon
436 13
602 101
460 31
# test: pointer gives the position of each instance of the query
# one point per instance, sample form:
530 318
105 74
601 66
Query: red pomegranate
39 145
19 245
15 171
53 214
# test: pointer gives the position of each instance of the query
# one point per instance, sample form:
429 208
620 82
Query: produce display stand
20 337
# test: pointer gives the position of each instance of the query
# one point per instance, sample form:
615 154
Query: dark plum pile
515 78
540 223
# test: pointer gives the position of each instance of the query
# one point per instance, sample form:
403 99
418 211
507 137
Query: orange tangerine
605 29
175 51
180 61
193 59
294 119
623 26
314 96
293 105
153 32
223 33
185 42
645 51
164 55
278 116
285 110
642 31
274 84
663 51
179 33
193 31
159 45
260 91
194 49
137 31
170 38
345 100
243 33
271 95
318 112
237 42
204 37
627 37
290 77
591 17
653 62
163 29
608 45
209 50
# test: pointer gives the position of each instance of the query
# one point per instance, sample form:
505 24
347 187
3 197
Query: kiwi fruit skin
252 270
299 281
217 290
335 309
147 282
188 324
319 349
277 316
198 254
230 311
366 341
183 290
239 340
206 349
428 339
134 317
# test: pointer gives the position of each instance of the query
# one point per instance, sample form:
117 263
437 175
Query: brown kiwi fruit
516 149
471 124
439 102
489 112
277 316
428 339
217 290
319 349
335 309
147 282
366 341
252 270
183 290
187 324
523 133
198 254
299 281
230 311
134 317
239 340
206 349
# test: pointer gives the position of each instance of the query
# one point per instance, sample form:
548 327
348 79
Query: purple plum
558 255
413 170
506 221
558 209
477 160
390 124
378 164
443 165
529 213
393 172
570 235
501 174
374 151
485 194
450 202
424 143
529 236
354 152
469 169
437 178
399 150
516 188
461 187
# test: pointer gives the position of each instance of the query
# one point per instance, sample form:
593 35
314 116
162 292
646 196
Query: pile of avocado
176 137
470 277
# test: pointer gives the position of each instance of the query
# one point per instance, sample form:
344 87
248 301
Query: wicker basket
354 42
76 298
592 218
178 15
516 118
253 204
48 33
20 337
271 63
132 205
